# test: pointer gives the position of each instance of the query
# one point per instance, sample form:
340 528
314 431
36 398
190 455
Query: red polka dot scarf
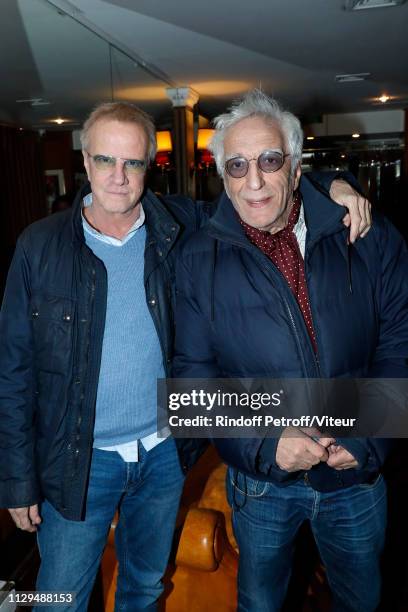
283 249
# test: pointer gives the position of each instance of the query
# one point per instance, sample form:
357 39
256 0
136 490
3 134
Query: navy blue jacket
51 332
237 317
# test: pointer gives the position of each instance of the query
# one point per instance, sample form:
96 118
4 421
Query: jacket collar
161 226
322 217
226 220
162 231
76 215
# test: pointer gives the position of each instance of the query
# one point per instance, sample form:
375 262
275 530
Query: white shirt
300 231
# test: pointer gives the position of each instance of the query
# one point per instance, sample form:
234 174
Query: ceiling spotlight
351 78
384 98
34 101
358 5
342 156
310 137
355 135
59 121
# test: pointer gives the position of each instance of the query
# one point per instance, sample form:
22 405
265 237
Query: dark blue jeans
147 494
348 526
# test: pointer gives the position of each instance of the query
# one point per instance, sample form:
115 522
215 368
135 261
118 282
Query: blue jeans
348 526
147 494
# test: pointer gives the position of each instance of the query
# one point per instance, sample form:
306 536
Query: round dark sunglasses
268 161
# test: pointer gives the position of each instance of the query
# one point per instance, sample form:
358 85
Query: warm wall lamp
163 141
164 148
203 139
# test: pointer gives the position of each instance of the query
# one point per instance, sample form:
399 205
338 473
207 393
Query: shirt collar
300 225
87 201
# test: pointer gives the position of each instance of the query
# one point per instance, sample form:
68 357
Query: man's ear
296 176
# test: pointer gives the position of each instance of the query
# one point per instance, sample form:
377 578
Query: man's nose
119 172
254 178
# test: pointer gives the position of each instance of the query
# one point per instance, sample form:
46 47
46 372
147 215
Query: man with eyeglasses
271 288
86 331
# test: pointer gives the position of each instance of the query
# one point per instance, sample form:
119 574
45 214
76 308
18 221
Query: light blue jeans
348 526
147 494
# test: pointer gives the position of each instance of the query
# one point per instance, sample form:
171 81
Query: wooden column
184 99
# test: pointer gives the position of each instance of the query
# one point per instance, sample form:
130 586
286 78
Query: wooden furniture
205 571
201 575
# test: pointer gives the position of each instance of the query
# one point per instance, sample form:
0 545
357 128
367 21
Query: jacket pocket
52 325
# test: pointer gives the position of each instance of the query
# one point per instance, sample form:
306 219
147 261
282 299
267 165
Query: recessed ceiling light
351 78
310 137
34 101
355 135
59 120
359 5
342 156
384 98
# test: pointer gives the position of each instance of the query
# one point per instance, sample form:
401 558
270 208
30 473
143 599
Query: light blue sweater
131 355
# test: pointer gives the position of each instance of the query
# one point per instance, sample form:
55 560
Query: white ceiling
292 48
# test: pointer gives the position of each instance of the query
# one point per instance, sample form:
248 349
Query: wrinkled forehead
252 136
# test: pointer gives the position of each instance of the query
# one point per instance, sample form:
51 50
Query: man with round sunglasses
266 289
86 331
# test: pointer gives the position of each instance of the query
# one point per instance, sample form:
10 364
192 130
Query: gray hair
256 103
124 112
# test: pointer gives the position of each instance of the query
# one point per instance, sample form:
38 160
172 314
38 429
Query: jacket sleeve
391 356
194 355
390 359
18 481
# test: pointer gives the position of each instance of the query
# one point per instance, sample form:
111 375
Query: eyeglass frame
281 153
139 170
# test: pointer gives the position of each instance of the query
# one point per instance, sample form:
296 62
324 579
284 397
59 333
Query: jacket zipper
74 460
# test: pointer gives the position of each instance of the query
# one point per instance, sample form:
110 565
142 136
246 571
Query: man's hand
340 458
26 518
358 218
298 451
